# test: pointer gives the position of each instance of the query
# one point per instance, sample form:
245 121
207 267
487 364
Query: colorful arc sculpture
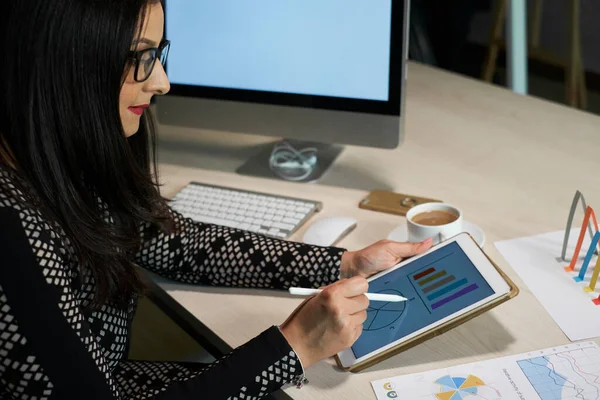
576 199
589 215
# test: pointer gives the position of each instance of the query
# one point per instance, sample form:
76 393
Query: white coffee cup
439 233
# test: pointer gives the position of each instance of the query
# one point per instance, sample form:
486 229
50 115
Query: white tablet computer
446 286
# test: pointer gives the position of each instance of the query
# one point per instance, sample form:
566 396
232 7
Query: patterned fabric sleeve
216 255
251 371
48 349
46 343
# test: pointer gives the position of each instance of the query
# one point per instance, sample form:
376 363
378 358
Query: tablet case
514 291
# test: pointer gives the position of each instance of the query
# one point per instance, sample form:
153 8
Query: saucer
400 233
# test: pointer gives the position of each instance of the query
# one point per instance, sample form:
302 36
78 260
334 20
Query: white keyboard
270 215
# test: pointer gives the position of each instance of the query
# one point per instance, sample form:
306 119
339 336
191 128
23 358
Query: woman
79 206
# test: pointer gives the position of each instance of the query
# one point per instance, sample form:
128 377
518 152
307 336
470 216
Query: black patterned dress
53 346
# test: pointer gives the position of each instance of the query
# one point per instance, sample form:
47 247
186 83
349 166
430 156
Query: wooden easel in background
575 87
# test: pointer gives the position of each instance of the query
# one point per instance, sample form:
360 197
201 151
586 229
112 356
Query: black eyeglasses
145 60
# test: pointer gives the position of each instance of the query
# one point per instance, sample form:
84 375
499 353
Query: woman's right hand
329 322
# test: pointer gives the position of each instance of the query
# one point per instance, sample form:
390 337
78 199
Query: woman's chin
131 128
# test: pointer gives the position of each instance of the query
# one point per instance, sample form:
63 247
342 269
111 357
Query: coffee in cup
439 221
434 218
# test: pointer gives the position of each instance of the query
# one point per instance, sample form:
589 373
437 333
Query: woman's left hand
379 256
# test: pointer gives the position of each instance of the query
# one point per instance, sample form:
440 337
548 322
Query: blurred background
563 39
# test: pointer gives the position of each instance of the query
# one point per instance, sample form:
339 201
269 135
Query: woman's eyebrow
145 41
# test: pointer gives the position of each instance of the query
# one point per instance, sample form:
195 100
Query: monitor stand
292 160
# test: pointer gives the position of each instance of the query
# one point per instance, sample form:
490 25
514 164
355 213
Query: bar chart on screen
437 287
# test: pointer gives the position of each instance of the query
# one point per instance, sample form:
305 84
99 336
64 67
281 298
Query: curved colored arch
576 199
588 258
589 213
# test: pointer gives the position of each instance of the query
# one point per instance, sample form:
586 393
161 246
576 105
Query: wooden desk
512 163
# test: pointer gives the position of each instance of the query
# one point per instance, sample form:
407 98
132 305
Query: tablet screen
437 285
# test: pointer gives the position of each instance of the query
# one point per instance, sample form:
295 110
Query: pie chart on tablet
385 315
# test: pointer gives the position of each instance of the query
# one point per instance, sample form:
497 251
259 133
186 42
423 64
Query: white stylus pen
371 296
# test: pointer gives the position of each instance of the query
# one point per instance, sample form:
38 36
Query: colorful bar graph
438 284
588 258
589 213
447 289
440 287
456 295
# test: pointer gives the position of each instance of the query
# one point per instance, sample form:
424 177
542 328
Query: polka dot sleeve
217 255
52 347
45 339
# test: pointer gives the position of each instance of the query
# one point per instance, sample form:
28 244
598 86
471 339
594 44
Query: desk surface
511 163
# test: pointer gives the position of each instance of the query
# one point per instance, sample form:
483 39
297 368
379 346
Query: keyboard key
217 221
287 227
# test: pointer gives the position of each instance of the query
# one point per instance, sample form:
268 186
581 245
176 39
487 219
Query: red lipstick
138 110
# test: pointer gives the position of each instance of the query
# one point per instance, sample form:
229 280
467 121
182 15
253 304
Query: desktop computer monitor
319 73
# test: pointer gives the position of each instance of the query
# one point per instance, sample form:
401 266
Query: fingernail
427 241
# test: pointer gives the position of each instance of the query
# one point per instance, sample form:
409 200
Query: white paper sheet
564 372
536 260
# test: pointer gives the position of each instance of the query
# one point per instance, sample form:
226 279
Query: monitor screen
326 71
333 48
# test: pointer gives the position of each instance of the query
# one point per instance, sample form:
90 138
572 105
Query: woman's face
135 96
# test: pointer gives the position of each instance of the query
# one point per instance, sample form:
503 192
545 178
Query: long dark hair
61 71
